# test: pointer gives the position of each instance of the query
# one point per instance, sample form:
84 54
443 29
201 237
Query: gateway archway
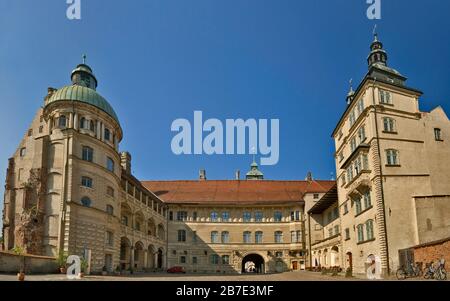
253 263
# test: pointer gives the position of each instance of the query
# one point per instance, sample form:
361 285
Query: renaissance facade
70 190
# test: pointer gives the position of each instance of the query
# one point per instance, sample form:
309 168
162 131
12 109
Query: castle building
238 226
70 191
392 166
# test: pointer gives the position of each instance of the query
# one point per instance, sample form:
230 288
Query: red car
176 270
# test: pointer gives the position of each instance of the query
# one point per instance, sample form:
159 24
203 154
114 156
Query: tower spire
351 93
377 54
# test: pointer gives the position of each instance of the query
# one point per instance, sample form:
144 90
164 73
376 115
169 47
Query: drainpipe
381 177
309 240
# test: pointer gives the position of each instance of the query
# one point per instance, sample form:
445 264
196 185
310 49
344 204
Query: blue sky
159 60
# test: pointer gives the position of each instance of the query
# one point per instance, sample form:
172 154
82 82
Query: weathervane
375 34
84 59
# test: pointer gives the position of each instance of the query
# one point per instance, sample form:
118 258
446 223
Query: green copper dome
83 89
85 95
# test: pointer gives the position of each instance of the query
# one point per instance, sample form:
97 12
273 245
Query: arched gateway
253 263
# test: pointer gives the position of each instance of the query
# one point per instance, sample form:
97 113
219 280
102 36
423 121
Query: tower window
87 154
389 125
91 126
392 157
83 123
86 182
110 164
30 132
110 191
23 152
86 202
62 121
438 134
107 135
385 97
110 209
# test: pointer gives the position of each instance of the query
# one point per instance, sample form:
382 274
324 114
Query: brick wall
433 251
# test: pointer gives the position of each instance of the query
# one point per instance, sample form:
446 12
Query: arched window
247 237
86 202
369 229
110 209
92 126
392 157
278 237
107 135
214 237
62 121
258 237
87 154
83 123
225 237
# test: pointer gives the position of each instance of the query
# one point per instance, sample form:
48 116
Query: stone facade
391 162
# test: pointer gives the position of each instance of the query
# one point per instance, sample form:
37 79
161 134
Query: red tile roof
234 191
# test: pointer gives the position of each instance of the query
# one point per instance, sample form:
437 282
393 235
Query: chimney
238 174
309 177
125 161
202 176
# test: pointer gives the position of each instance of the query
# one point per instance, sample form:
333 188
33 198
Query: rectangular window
171 215
182 259
110 164
316 196
181 216
110 191
181 235
86 182
109 238
389 125
392 157
277 216
385 97
194 216
365 162
194 236
225 259
352 118
358 165
278 237
358 207
361 134
369 229
299 236
330 232
194 260
258 216
329 217
360 233
214 259
278 254
258 237
292 216
367 200
247 237
335 213
347 234
349 174
87 154
437 134
297 216
360 107
247 217
336 230
341 157
293 237
225 216
107 135
214 237
353 144
225 237
110 209
345 208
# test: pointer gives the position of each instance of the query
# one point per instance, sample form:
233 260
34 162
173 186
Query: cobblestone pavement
289 276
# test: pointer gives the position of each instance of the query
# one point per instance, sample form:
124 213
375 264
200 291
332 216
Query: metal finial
351 84
375 34
84 58
254 154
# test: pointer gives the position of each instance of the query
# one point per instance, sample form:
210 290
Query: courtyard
288 276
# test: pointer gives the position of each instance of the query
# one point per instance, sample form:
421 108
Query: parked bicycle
412 270
436 271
